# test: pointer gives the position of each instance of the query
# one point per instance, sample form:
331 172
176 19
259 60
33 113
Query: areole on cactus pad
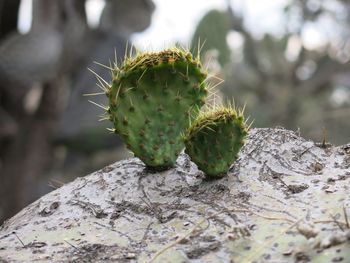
215 138
152 100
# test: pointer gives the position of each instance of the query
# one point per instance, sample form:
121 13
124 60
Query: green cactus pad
152 99
214 140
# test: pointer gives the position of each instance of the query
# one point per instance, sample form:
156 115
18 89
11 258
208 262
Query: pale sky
175 20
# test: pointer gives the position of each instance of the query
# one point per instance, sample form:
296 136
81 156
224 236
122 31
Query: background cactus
152 99
215 138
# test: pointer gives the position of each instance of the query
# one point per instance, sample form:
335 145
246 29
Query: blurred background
288 60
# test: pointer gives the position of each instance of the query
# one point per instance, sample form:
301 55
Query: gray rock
129 214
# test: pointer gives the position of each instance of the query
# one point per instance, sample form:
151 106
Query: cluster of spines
215 138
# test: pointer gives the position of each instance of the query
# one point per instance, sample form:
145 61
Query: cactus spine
152 99
215 138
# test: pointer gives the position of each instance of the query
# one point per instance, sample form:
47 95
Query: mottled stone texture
284 200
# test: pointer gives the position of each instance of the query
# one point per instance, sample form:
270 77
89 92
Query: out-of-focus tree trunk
8 16
8 23
30 151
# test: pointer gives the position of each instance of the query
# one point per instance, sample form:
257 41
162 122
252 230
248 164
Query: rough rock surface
285 200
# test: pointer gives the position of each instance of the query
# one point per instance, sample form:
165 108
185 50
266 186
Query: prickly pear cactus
152 99
215 138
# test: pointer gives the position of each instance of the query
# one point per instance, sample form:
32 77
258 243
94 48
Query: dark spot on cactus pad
155 147
125 121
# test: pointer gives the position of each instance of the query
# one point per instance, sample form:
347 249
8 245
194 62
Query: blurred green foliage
211 33
283 80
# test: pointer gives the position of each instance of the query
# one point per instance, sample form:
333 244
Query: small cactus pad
215 138
152 99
